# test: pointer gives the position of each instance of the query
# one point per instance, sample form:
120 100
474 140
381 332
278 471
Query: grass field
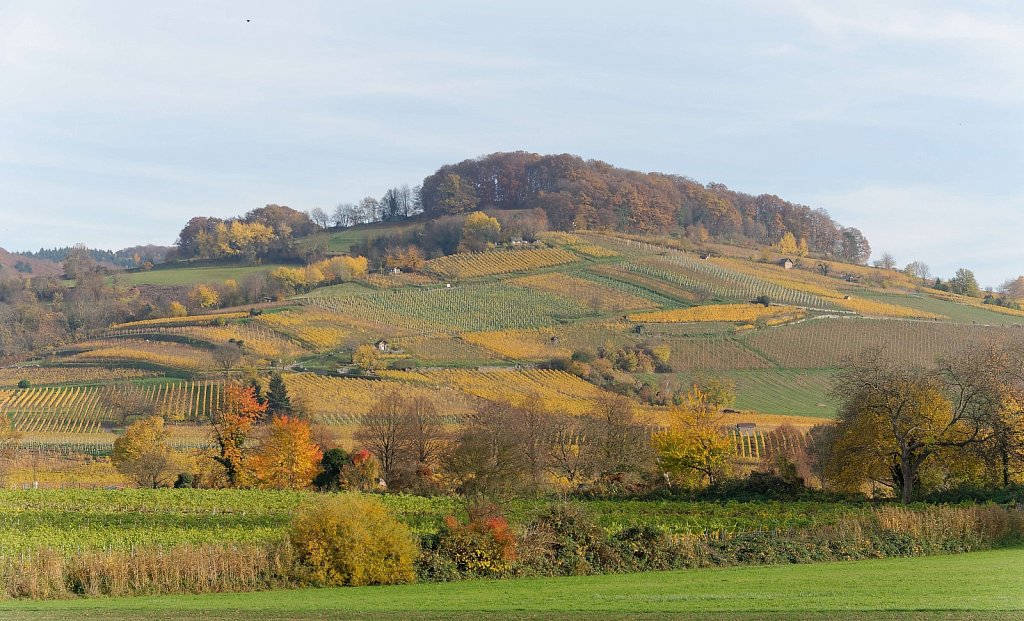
980 585
192 275
797 392
341 241
961 313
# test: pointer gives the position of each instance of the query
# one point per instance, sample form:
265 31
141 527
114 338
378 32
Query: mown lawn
981 585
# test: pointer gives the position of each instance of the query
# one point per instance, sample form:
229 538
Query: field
342 241
75 520
979 585
193 275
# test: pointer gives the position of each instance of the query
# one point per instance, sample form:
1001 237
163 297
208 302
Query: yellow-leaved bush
352 540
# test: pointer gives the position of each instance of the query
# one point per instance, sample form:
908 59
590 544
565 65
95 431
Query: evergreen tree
278 401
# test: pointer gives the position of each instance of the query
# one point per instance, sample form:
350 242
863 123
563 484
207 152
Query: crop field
192 275
486 306
828 342
477 264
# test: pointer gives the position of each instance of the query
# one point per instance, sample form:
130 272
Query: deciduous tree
287 457
233 420
143 454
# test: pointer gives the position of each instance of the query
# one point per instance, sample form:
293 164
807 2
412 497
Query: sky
121 120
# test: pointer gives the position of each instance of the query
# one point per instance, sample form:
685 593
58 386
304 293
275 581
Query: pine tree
278 401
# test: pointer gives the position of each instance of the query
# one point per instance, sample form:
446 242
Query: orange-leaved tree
236 413
287 457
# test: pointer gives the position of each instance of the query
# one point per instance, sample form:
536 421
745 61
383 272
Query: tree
370 209
917 269
320 217
278 401
478 231
227 356
233 420
203 296
287 457
617 442
886 262
893 420
964 283
422 432
128 403
367 358
787 244
381 432
484 458
332 465
854 247
143 455
1013 288
695 449
453 195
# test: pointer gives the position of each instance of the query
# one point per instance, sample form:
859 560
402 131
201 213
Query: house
381 345
705 255
554 341
517 240
787 263
396 270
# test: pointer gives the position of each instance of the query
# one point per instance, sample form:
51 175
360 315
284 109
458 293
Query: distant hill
12 265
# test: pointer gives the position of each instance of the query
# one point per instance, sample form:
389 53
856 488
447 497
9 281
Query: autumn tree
918 269
422 431
695 449
287 457
1013 288
787 245
320 217
143 454
478 231
894 420
886 261
367 358
233 420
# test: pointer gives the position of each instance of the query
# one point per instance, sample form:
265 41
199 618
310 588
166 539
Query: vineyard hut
787 263
705 255
746 429
382 345
554 341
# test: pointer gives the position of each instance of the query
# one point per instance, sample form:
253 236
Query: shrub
24 383
565 541
352 540
185 480
483 546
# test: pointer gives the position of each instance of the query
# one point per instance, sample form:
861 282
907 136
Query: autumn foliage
233 421
287 457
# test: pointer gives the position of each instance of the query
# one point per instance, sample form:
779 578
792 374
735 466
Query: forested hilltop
589 194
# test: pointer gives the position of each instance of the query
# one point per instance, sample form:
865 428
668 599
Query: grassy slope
193 275
946 587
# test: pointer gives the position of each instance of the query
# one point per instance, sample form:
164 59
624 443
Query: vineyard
128 350
719 312
828 342
477 264
464 307
85 409
80 374
596 295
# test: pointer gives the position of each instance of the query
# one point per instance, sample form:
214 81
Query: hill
565 319
16 265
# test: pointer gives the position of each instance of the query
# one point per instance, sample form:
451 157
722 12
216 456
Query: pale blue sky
120 120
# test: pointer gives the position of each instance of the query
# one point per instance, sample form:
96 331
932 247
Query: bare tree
422 431
128 403
320 217
381 432
227 357
569 456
